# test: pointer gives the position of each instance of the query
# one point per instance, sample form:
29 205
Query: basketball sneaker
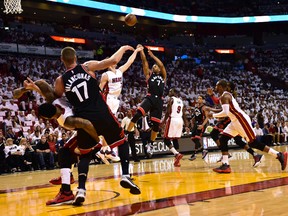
101 155
112 156
193 157
282 157
58 181
224 168
257 158
80 197
177 159
204 154
126 182
62 197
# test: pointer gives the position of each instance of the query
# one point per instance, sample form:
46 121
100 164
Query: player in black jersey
153 102
199 120
82 91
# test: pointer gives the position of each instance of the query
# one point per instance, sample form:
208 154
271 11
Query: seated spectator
21 117
12 106
11 134
44 154
35 137
32 116
28 154
267 137
14 158
259 132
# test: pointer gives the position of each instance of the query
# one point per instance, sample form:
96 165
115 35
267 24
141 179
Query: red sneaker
58 181
178 157
224 168
62 198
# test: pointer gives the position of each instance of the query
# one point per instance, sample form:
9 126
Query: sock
83 168
225 159
273 152
66 187
123 151
65 175
174 151
251 151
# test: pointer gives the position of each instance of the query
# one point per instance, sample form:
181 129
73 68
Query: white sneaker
80 197
126 182
112 156
100 154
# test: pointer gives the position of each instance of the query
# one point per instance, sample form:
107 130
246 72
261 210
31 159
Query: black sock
251 151
83 168
124 156
66 187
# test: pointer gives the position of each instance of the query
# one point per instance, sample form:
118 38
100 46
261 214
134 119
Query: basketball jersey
177 108
235 112
199 115
114 84
83 93
66 108
156 84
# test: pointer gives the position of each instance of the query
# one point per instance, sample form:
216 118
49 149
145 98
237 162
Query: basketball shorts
113 102
173 128
106 125
242 128
154 104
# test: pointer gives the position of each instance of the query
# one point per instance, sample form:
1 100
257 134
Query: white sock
65 175
174 151
273 152
225 159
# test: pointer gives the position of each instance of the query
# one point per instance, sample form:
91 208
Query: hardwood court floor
192 189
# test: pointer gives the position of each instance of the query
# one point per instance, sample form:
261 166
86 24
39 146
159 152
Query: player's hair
202 96
47 110
222 83
68 54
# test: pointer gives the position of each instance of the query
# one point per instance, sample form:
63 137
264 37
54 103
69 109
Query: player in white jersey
174 120
111 85
112 80
240 125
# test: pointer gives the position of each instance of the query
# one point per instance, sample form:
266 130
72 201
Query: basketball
130 19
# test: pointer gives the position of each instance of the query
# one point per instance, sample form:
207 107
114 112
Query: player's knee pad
137 116
258 145
65 158
224 143
155 126
215 134
167 142
239 141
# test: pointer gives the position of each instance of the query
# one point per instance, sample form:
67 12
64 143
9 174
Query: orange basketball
130 19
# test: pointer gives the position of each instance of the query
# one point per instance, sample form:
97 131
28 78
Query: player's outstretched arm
159 63
105 63
75 122
131 59
145 64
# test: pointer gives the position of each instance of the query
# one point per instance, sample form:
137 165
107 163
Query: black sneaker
126 182
257 158
193 157
224 168
204 154
282 157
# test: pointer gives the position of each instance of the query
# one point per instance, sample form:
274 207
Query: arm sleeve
223 113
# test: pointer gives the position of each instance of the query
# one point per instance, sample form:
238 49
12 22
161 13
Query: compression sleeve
223 113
